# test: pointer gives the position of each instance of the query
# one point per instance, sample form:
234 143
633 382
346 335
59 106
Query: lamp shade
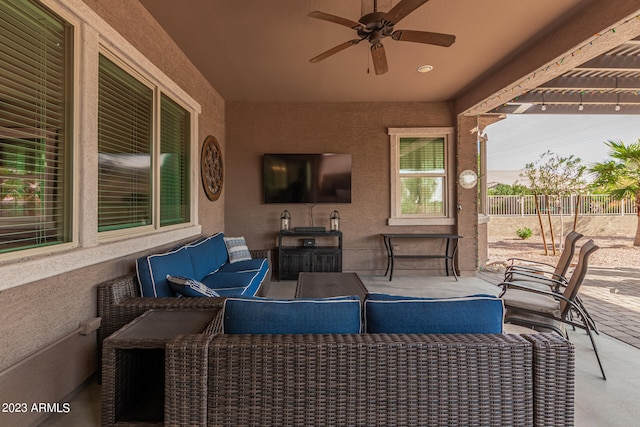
285 220
334 221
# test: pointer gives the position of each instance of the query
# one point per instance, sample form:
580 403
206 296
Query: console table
451 247
305 255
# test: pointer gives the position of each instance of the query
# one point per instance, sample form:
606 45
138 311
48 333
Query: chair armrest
554 281
522 286
528 261
530 268
186 378
119 302
260 253
553 379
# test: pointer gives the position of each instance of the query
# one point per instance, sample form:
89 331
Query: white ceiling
258 50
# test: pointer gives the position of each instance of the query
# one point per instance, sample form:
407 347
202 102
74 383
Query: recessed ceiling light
425 68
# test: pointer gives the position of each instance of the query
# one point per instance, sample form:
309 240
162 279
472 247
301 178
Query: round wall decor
211 168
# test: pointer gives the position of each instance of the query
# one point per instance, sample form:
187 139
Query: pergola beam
576 82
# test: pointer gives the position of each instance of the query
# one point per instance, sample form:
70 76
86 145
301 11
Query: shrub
524 233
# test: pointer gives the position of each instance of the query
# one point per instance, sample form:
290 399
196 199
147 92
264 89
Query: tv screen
306 178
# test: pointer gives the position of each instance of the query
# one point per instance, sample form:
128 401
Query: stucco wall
38 313
357 128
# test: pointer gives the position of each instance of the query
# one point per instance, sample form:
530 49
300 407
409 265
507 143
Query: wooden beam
576 82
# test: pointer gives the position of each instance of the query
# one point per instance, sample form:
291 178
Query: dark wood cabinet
308 251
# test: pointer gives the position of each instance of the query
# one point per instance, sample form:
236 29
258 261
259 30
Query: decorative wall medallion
211 168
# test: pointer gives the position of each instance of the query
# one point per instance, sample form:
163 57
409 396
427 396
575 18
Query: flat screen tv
306 178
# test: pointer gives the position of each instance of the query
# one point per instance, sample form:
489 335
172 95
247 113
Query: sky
522 138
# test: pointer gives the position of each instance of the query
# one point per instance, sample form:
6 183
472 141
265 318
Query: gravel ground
614 252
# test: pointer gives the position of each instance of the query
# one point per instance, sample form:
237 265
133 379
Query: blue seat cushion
153 270
340 315
476 314
207 255
248 265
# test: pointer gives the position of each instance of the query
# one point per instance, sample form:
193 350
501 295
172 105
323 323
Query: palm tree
620 175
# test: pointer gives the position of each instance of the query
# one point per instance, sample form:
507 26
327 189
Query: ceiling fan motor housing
374 28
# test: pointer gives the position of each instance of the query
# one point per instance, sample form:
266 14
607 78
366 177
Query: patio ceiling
259 51
606 84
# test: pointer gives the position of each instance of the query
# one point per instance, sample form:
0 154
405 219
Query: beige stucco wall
36 314
357 128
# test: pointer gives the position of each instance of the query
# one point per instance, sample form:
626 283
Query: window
128 171
35 135
125 125
128 161
174 171
419 185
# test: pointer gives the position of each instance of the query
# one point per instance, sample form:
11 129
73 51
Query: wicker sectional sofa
356 379
120 300
369 379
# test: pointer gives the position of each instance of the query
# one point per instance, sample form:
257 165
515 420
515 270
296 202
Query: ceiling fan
375 26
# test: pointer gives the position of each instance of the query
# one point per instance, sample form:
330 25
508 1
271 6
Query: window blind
125 123
174 161
422 173
35 137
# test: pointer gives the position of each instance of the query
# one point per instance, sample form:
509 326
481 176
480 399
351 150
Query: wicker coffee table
324 285
133 364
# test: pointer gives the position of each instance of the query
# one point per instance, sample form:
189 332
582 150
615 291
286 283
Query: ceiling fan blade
379 59
402 9
336 19
438 39
335 50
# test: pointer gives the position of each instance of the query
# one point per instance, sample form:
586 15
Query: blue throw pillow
340 315
189 287
476 314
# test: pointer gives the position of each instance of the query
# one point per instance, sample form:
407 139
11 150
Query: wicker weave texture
119 300
364 380
119 303
554 389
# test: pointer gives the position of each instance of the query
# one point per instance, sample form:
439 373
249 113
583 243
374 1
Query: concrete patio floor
611 295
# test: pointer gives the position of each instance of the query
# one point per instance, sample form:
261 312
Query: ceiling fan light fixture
374 26
425 68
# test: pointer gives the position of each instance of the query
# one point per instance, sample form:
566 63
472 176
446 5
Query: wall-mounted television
306 178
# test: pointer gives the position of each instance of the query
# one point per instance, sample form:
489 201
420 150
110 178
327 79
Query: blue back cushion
207 255
341 315
477 314
153 270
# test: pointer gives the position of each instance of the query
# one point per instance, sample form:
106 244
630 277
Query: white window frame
93 35
396 217
158 90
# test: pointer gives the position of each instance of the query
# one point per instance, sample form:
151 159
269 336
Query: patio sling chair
536 272
533 270
549 309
